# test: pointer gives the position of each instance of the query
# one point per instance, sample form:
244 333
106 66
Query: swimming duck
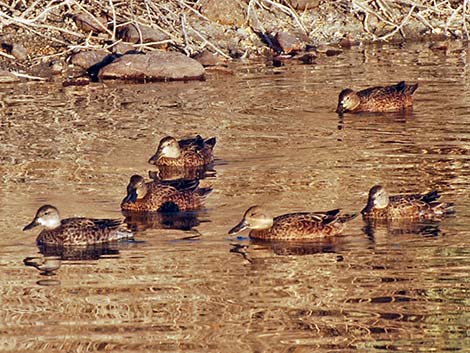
187 153
292 226
416 206
163 195
75 231
393 98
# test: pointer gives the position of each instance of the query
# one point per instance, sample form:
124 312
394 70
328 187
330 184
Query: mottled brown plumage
75 231
393 98
292 226
163 195
416 206
187 153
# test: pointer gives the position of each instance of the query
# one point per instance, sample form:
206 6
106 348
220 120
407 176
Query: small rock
56 67
87 59
131 34
77 81
441 45
333 52
288 42
304 58
304 4
154 66
17 50
89 23
122 48
8 77
345 42
206 58
225 12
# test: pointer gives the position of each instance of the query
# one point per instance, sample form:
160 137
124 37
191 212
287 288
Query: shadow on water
376 228
286 248
171 173
90 252
185 221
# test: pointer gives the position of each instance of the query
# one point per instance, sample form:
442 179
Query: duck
163 195
77 230
187 153
380 205
393 98
292 226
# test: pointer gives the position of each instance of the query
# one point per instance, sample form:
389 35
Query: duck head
378 198
46 216
136 189
254 218
168 148
348 100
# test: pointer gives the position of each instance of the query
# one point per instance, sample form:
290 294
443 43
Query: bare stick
7 55
113 11
17 74
464 20
210 44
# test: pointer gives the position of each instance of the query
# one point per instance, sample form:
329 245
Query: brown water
279 144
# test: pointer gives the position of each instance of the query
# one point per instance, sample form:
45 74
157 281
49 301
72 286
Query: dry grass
183 22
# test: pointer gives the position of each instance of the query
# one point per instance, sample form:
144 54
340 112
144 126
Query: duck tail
431 196
210 142
410 89
406 89
443 208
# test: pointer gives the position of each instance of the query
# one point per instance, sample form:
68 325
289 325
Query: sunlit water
279 144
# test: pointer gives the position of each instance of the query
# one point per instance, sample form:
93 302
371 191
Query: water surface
279 144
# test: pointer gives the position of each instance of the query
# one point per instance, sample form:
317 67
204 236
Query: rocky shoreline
176 39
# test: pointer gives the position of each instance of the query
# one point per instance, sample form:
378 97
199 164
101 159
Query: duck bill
31 225
154 158
340 109
238 228
131 197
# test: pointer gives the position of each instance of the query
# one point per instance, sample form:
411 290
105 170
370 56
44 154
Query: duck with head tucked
301 226
380 205
187 153
393 98
163 195
75 231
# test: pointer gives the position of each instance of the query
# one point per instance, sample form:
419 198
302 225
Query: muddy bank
69 39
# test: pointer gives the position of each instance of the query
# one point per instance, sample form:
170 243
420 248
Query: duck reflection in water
138 221
377 230
47 265
265 248
85 252
173 173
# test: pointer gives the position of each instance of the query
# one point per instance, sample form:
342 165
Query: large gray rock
304 4
225 12
88 23
289 43
86 59
130 33
154 66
